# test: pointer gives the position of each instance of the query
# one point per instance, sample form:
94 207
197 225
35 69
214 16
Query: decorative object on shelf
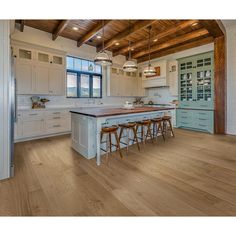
149 70
102 58
128 105
138 102
130 65
38 103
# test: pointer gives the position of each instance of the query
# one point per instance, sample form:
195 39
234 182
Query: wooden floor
192 174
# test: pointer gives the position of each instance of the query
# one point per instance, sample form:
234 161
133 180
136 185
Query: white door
56 81
24 77
41 79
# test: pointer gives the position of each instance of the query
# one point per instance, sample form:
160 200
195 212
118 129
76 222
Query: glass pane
84 85
84 65
78 63
25 54
71 84
43 57
70 63
96 86
57 60
98 69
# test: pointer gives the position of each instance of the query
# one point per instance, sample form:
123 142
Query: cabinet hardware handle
202 125
15 56
202 119
57 112
33 114
55 126
56 118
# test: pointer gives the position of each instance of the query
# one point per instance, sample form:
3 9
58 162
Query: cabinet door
41 79
57 60
24 54
31 128
24 77
186 82
56 81
204 81
114 84
42 57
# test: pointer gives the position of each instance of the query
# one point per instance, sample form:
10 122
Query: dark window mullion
78 84
91 86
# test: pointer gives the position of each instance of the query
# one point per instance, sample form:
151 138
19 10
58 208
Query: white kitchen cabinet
173 77
41 123
39 72
32 127
24 74
41 79
120 83
56 81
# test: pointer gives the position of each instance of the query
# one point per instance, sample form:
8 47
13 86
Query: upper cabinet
39 72
121 83
196 81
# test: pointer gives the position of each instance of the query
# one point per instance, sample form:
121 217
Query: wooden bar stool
108 131
128 127
167 121
157 128
144 124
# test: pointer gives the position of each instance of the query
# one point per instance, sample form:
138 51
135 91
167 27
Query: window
84 78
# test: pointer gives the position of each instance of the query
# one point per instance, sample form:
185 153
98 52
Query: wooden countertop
102 112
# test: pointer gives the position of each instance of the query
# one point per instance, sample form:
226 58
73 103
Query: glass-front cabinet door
186 82
196 77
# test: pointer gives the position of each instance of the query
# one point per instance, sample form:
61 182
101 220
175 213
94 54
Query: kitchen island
86 124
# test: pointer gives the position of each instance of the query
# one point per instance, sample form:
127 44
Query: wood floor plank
193 174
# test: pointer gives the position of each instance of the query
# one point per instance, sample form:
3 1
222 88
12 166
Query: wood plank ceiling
167 36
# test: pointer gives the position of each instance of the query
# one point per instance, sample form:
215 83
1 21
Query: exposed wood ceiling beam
90 34
127 32
22 25
186 46
214 27
181 39
61 26
163 34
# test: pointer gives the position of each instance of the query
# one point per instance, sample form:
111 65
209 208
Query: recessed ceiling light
117 43
155 40
132 49
75 28
99 36
194 24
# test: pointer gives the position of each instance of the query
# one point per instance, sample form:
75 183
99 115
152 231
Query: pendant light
102 58
130 65
149 70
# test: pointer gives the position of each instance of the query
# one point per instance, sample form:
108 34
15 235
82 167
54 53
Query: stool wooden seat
108 131
167 120
147 124
157 127
128 126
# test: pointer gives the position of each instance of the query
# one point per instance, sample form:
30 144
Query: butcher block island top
103 112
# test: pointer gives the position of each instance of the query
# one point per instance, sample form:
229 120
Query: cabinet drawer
35 115
185 124
57 125
56 114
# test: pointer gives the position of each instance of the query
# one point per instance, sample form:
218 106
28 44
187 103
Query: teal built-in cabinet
196 92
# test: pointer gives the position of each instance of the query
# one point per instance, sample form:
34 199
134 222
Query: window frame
79 73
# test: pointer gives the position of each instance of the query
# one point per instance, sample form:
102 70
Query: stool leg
107 147
149 133
136 138
121 132
171 128
161 129
118 144
110 142
142 134
127 140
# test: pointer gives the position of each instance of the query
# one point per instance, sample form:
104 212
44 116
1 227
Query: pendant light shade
130 65
149 70
102 58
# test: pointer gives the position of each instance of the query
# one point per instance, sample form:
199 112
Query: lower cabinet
202 120
35 124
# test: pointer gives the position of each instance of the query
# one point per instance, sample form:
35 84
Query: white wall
231 80
41 38
4 99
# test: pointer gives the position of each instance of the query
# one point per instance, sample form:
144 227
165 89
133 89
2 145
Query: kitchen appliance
13 102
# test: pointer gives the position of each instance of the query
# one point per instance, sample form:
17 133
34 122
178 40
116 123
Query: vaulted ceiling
167 36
